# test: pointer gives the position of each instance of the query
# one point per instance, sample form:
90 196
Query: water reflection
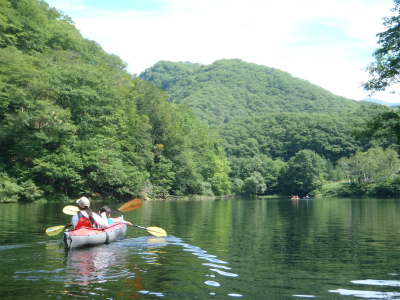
97 264
110 263
104 264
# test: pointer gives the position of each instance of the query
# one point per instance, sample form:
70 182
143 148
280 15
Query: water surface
216 249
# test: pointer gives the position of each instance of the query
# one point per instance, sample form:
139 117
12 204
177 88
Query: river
215 249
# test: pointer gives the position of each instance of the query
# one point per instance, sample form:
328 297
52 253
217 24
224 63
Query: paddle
56 229
128 206
156 231
70 210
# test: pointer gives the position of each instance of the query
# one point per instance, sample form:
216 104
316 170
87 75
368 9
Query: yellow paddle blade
54 230
70 210
131 205
156 231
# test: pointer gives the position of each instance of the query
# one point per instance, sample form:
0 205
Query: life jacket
83 221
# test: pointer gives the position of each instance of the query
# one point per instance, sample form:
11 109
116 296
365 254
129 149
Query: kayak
85 236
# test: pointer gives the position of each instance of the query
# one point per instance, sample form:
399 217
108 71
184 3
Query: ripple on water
216 266
9 247
235 295
224 273
371 294
212 283
213 260
145 292
368 294
377 282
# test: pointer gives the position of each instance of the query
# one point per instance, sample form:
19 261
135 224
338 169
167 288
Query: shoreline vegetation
340 189
74 122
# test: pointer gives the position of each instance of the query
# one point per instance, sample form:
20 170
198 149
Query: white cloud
259 31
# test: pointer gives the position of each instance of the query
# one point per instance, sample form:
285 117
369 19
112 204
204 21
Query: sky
327 42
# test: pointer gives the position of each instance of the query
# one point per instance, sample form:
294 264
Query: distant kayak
85 236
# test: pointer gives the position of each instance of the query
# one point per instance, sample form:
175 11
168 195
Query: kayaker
105 213
85 217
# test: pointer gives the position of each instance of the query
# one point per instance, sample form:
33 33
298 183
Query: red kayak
85 236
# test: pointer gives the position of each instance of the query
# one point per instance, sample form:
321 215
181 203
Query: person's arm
121 221
103 215
74 220
99 220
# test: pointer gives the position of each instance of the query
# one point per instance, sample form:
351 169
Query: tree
254 185
385 71
243 167
374 165
303 173
386 124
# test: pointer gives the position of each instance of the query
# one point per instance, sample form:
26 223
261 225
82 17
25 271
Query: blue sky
327 42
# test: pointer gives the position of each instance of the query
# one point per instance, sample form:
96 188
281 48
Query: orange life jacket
83 221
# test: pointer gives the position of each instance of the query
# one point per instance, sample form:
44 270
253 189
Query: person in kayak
105 213
85 217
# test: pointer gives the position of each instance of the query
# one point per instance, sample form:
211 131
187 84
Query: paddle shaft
156 231
141 227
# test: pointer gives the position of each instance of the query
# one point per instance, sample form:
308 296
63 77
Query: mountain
381 102
232 89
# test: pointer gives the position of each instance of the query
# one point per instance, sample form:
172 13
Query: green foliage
332 189
30 192
374 165
266 117
387 188
243 167
230 90
9 189
74 122
281 136
254 185
386 124
237 186
303 173
162 176
374 172
386 68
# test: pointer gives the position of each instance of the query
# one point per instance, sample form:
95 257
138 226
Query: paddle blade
156 231
131 205
70 210
54 230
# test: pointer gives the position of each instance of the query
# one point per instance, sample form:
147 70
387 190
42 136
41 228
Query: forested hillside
281 134
230 90
73 122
